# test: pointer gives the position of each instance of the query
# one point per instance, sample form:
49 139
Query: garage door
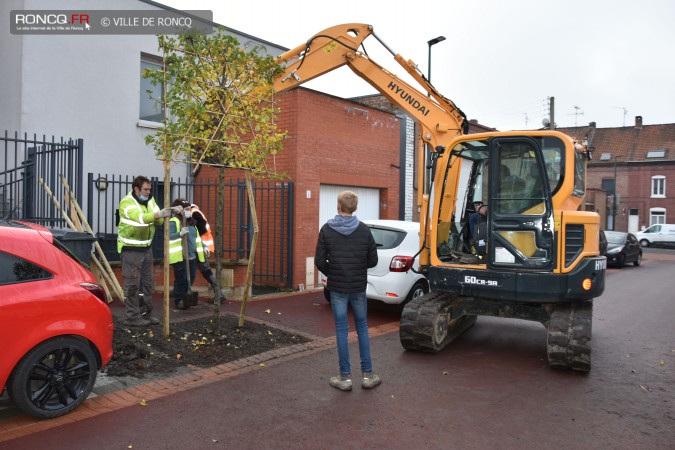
369 202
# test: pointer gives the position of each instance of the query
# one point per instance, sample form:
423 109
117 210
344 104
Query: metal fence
274 206
25 161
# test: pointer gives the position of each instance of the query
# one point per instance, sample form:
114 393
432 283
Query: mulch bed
145 351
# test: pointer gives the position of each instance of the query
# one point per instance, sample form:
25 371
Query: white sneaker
370 380
342 382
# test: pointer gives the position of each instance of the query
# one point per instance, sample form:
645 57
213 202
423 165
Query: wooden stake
115 284
254 243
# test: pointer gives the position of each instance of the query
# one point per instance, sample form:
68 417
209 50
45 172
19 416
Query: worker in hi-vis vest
195 251
207 241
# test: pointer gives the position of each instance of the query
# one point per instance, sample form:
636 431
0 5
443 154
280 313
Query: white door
368 208
633 223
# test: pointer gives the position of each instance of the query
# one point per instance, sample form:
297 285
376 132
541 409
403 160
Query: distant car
393 280
55 325
659 234
603 243
622 248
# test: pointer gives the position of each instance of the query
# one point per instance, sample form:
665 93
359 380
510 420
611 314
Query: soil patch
142 352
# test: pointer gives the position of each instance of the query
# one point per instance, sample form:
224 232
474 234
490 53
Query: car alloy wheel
54 378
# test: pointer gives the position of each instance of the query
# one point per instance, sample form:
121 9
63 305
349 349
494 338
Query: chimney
592 125
638 121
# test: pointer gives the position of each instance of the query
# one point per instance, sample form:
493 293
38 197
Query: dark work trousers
137 278
206 272
180 285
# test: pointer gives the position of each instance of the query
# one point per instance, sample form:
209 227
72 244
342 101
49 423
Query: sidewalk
304 313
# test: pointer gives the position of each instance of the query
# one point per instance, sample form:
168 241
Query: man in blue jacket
344 253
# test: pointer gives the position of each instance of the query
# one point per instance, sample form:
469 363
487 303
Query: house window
150 110
608 185
657 216
658 186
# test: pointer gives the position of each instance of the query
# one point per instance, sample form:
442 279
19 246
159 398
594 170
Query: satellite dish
545 122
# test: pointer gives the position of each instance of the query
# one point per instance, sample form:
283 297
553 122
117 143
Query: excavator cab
518 230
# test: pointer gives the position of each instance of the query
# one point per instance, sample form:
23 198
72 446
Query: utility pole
551 113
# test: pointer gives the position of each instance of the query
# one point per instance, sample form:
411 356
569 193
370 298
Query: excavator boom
338 46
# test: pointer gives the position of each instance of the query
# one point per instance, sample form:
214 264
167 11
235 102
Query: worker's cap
477 202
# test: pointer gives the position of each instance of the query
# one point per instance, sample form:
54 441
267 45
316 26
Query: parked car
56 329
603 243
663 233
393 280
622 248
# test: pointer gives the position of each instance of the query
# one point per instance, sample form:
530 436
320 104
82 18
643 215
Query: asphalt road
490 389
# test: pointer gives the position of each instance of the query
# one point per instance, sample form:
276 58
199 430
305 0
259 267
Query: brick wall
334 141
634 184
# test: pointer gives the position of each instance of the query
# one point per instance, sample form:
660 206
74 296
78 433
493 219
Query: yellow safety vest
137 223
176 247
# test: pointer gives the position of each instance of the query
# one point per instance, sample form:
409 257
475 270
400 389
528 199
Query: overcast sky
605 61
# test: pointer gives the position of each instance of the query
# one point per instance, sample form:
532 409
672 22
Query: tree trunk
220 227
167 220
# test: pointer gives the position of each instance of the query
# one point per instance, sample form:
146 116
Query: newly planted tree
221 113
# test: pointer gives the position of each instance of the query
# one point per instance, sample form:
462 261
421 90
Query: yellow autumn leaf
144 403
262 365
178 356
267 311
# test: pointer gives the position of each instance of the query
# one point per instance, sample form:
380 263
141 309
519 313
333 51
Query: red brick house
641 158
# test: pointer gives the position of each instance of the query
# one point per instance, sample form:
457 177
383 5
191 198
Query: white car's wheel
419 289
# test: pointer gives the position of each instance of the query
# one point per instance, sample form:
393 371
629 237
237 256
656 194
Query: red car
55 326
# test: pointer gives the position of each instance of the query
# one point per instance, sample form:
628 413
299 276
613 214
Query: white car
393 281
663 233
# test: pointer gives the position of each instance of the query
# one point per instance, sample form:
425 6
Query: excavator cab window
520 217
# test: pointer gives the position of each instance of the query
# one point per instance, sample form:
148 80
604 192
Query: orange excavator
530 253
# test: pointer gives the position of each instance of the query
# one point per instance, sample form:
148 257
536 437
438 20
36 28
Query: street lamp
614 206
427 147
434 41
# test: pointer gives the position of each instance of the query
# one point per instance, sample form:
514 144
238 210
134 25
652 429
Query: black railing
24 162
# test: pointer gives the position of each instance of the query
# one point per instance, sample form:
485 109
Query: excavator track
426 325
569 336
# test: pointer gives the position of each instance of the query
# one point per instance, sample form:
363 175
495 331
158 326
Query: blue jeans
339 302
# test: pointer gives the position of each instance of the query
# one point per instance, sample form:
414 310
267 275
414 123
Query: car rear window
17 270
386 238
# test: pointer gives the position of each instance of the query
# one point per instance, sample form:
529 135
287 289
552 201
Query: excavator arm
438 117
